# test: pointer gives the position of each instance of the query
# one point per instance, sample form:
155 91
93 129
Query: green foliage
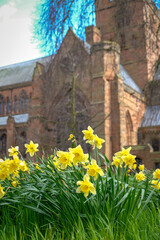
46 205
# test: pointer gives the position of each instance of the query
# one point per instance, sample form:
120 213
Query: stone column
105 68
10 132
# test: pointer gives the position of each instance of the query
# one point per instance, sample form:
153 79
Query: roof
128 80
19 118
20 72
151 117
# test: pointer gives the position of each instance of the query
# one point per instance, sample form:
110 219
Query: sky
16 43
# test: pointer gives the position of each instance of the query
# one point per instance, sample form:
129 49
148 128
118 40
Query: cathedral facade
110 82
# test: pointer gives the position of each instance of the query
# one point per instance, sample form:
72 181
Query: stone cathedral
110 82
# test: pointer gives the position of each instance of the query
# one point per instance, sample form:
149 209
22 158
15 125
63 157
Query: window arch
122 40
155 145
8 105
15 103
134 41
129 128
2 105
23 103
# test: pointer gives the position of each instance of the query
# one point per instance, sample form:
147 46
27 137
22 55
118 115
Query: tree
54 17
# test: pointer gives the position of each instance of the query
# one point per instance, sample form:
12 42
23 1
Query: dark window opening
2 105
123 41
155 145
15 104
157 165
8 105
23 102
134 41
139 161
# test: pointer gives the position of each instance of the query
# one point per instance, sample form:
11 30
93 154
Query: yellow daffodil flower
116 162
14 165
124 152
86 186
14 183
13 151
23 166
31 148
98 142
4 174
79 156
140 176
88 135
129 160
70 137
141 167
94 169
156 173
64 159
155 184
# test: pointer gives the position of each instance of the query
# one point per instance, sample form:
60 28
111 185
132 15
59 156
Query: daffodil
156 173
129 160
4 174
97 142
134 166
116 162
86 186
64 159
140 176
31 148
71 136
88 135
141 167
79 156
23 166
14 165
94 169
155 184
13 151
14 183
124 152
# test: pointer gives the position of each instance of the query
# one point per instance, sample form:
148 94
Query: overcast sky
16 43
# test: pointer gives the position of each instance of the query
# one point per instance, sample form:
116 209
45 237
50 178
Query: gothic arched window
2 105
23 101
155 145
15 103
129 128
123 41
8 105
134 41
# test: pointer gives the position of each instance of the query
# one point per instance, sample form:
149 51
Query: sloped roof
151 117
128 80
20 72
